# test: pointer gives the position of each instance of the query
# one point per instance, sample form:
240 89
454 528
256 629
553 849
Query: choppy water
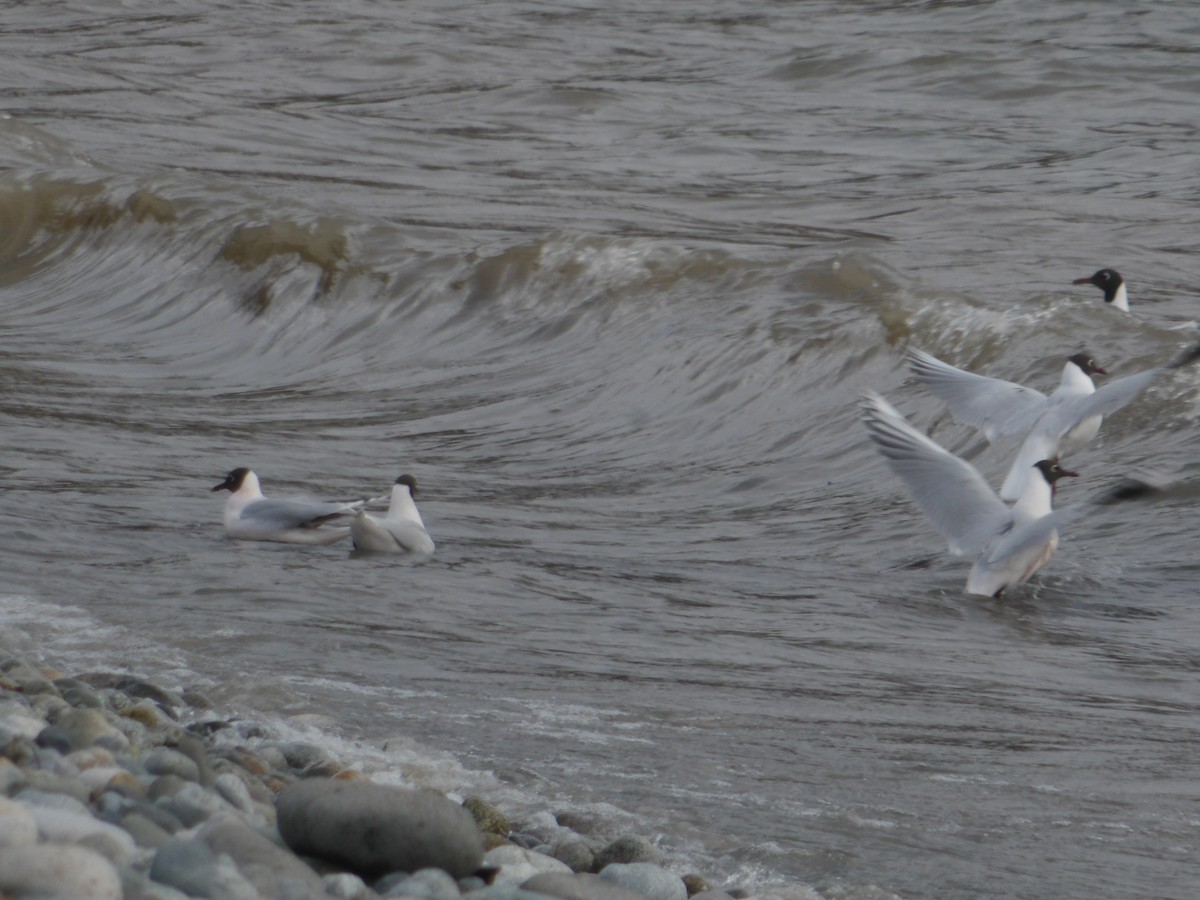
608 280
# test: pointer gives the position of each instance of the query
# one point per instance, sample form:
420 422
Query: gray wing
270 513
992 404
949 490
1116 394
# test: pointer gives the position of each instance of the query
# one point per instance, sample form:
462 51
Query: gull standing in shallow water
1113 285
400 531
250 516
1060 423
1010 543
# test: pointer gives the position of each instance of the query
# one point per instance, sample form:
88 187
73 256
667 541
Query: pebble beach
115 788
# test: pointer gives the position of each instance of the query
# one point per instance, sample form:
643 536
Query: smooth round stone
58 870
138 886
166 786
55 738
577 855
583 886
430 884
164 761
193 748
144 832
517 865
696 884
510 892
192 867
375 828
718 895
50 760
647 879
48 782
96 779
91 758
48 705
300 755
126 785
48 798
20 749
272 870
629 848
23 677
19 721
17 824
234 791
73 828
78 693
197 699
11 777
192 804
145 714
273 758
345 886
489 819
87 727
131 686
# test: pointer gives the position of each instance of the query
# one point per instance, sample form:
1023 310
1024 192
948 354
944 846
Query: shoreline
112 786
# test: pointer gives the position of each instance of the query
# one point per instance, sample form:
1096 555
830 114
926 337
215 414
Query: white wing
284 514
949 490
992 404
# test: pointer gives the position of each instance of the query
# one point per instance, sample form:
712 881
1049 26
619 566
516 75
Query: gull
1053 425
1113 285
1010 543
401 530
252 517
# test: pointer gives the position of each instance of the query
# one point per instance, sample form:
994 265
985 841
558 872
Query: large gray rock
57 870
578 887
374 829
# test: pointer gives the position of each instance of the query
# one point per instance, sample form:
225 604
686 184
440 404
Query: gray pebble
165 761
192 805
193 748
25 678
234 791
430 884
196 698
517 865
507 892
89 726
345 886
192 867
647 879
56 738
272 870
78 693
579 887
577 854
165 786
145 832
52 799
627 849
300 755
17 825
58 870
